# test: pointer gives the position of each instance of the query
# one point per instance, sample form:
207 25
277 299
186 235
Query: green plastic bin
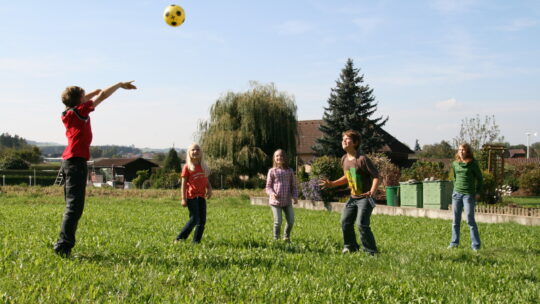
411 195
392 195
438 194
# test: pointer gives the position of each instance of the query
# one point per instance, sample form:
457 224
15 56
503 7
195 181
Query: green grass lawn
523 201
125 254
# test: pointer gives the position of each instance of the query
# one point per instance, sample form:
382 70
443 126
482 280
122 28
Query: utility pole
528 136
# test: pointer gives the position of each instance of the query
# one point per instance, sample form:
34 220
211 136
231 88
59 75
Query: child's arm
104 94
208 190
324 183
184 192
92 94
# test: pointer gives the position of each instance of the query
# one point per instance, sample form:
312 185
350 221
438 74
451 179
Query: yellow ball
174 15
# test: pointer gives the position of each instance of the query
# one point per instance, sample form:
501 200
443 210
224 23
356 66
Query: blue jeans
197 219
289 217
358 210
458 202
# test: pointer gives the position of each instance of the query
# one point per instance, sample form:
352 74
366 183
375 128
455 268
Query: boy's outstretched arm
104 94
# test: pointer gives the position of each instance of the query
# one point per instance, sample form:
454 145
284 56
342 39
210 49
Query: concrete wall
416 212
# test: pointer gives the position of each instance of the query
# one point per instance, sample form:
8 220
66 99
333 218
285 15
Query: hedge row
19 179
7 173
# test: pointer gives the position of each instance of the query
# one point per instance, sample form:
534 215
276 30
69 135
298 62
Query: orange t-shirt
196 182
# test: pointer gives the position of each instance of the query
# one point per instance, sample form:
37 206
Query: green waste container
392 195
438 194
411 194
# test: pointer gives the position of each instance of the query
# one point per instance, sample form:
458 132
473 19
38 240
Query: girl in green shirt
467 187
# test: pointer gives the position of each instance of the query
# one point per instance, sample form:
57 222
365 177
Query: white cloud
294 27
519 24
452 6
448 105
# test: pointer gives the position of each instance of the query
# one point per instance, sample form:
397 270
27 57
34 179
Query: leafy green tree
478 132
96 152
246 128
172 162
536 147
159 158
14 141
350 106
440 150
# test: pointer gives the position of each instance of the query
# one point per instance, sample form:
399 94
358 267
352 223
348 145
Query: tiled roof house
308 132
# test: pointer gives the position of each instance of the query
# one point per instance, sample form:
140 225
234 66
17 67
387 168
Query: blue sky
430 63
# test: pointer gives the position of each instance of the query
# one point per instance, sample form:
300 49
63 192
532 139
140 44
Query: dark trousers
75 173
197 219
358 210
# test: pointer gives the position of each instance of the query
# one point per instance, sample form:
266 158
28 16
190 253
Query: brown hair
72 96
468 152
274 165
354 135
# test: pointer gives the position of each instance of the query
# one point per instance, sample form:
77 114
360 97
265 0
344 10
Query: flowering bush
504 190
311 190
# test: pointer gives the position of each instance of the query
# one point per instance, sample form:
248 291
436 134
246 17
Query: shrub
311 190
421 170
389 172
221 173
142 176
256 182
163 179
301 175
530 181
327 167
489 194
13 162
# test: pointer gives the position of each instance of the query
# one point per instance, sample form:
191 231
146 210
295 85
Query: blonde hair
191 165
468 152
274 165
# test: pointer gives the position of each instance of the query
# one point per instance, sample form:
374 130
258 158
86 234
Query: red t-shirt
78 131
196 182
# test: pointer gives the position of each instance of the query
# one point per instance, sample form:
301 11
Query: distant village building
516 153
308 132
118 170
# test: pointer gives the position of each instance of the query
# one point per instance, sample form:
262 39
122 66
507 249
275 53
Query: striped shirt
282 183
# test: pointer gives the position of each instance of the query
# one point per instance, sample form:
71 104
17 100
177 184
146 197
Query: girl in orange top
195 190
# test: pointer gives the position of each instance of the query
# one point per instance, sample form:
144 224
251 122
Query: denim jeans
197 219
289 217
358 210
459 201
75 172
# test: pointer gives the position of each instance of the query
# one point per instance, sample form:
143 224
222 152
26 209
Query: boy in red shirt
74 169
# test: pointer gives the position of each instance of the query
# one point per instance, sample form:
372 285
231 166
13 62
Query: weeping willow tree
246 128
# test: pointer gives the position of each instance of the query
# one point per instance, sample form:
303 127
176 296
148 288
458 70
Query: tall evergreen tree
417 146
350 106
172 161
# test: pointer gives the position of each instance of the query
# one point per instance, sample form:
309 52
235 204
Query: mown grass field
524 201
125 254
